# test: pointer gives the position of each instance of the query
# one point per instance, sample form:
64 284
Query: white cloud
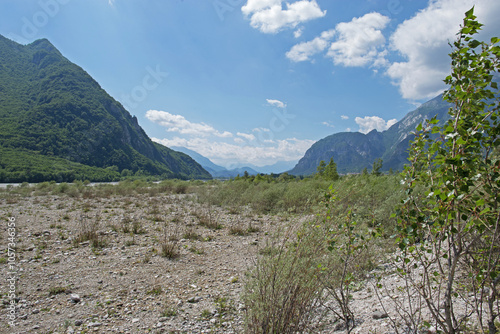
423 41
276 103
303 51
344 117
369 123
328 124
360 42
226 154
297 33
177 123
261 130
247 136
260 147
269 16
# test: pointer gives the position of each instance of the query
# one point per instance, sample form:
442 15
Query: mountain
221 172
354 151
203 161
215 170
57 123
276 168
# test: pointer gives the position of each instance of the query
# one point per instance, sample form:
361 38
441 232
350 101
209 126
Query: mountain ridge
50 107
355 151
222 172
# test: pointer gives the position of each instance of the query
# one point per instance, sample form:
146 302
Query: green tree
330 172
453 234
377 166
321 168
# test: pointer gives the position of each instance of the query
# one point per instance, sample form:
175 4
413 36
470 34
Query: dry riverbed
125 285
120 281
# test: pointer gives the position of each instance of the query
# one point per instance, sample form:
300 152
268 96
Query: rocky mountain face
54 113
354 151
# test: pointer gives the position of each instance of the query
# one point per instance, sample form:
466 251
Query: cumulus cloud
177 123
369 123
258 146
225 154
360 42
297 33
247 136
423 41
269 16
303 51
276 103
344 117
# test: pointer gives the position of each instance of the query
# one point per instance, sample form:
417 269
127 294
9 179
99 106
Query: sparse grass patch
196 250
191 234
169 245
208 219
238 230
169 250
137 227
129 243
88 232
125 223
169 312
206 314
156 290
57 290
252 228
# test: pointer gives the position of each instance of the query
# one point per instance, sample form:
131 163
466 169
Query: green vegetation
447 226
371 198
58 124
123 188
327 172
444 234
454 232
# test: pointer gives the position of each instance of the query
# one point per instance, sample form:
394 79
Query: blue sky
254 81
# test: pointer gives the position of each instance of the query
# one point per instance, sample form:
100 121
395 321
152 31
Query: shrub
284 289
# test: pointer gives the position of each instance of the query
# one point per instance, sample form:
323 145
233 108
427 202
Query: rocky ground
125 285
122 282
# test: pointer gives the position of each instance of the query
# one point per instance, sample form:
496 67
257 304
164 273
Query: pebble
75 298
94 324
379 315
194 300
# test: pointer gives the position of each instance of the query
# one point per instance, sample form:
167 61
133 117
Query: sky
255 81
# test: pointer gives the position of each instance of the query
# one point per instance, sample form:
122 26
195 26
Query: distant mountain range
222 172
57 123
354 151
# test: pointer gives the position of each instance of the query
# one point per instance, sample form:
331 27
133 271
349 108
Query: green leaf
474 43
470 13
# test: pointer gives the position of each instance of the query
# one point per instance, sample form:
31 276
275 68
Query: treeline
18 166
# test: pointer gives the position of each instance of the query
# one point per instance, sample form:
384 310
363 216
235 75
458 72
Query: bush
284 289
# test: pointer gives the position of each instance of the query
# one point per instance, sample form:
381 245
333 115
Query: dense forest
57 123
